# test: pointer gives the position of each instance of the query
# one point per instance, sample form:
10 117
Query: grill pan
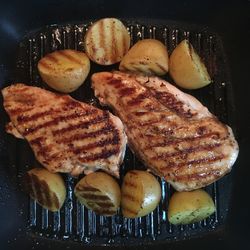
74 221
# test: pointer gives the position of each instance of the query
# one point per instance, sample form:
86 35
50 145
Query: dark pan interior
16 156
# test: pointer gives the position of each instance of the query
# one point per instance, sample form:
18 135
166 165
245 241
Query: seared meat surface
171 132
66 135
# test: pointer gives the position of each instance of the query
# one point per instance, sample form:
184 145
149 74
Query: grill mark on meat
69 56
112 141
184 153
139 99
104 130
170 101
213 135
193 163
117 83
103 155
126 91
58 119
22 119
85 124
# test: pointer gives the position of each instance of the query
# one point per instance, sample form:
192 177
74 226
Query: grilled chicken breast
66 135
172 132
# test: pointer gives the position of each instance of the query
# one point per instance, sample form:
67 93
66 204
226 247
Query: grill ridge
76 222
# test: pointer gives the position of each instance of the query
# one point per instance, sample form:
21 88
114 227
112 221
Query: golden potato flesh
186 67
141 193
99 192
107 41
47 188
64 70
148 56
190 207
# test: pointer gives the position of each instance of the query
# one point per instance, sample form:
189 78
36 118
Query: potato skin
186 67
99 192
106 41
47 188
190 207
64 70
148 56
141 193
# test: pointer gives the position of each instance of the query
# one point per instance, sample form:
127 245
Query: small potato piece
186 67
148 56
141 193
64 70
47 188
99 192
107 41
190 207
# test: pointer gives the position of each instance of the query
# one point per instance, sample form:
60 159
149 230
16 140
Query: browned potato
141 193
99 192
107 41
186 67
47 188
64 70
190 207
148 56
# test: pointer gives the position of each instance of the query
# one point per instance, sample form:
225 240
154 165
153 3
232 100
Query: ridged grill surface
74 221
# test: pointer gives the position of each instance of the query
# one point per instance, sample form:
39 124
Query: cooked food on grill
66 135
190 207
47 188
141 193
186 67
172 132
64 70
107 41
148 56
99 192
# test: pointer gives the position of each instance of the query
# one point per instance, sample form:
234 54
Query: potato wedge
107 41
64 70
47 188
141 193
186 67
190 207
148 56
99 192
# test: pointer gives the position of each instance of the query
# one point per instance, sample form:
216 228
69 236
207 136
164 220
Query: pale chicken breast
66 135
171 132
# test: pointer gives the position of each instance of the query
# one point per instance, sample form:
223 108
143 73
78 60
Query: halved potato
190 207
47 188
148 56
64 70
186 67
107 41
141 193
99 192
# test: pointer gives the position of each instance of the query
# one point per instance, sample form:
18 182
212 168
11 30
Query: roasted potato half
148 56
64 70
99 192
190 207
107 41
141 193
186 67
47 188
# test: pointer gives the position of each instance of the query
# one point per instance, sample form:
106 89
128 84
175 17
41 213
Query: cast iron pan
21 49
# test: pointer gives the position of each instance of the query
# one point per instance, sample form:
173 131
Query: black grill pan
75 222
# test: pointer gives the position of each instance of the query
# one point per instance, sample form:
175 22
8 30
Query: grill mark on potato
130 197
130 184
84 124
87 188
51 57
191 163
185 152
56 120
93 197
44 64
70 55
114 53
127 209
161 67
